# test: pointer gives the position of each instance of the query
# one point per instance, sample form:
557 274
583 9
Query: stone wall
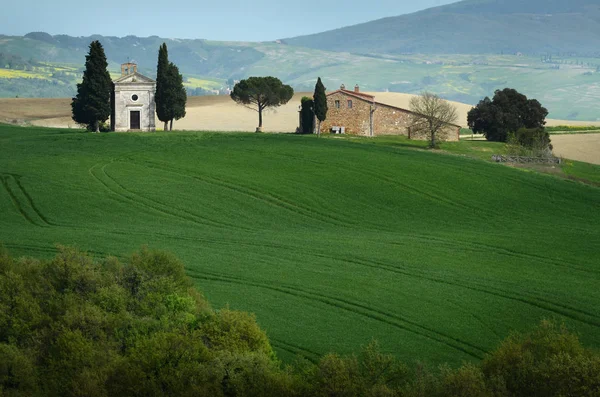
356 120
386 120
124 104
391 121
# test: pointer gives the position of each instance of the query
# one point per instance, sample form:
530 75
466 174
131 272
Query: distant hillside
474 27
192 56
40 65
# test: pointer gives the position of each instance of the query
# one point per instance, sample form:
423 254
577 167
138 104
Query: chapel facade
132 101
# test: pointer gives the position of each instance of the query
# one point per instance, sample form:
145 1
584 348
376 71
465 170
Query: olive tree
431 115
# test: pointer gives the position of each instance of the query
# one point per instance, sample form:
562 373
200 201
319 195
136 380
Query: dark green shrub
549 361
73 326
307 115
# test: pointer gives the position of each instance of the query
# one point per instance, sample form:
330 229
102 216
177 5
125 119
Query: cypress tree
162 85
320 104
170 94
177 94
91 105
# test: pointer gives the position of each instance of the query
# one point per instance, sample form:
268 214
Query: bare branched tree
431 115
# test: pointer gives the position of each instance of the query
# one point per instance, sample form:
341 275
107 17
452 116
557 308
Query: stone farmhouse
132 101
357 113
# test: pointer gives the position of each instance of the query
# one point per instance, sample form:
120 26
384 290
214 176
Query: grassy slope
332 242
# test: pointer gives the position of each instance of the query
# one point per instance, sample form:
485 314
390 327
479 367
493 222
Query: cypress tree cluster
170 93
91 106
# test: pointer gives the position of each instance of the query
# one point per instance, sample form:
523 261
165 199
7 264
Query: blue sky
235 20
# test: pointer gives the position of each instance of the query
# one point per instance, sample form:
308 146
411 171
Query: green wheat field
330 242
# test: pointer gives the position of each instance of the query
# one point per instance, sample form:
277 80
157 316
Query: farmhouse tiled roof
354 93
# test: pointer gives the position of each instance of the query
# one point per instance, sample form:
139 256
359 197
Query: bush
77 326
307 115
103 126
549 361
534 142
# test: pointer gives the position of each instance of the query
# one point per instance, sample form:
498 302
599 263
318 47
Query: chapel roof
134 78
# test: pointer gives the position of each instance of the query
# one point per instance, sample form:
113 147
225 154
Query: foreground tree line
75 326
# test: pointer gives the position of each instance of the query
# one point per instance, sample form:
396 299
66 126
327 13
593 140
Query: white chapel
132 102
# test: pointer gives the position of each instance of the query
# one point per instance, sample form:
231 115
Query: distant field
213 113
331 242
584 147
12 74
193 82
21 110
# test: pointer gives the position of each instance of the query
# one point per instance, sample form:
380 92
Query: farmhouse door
134 120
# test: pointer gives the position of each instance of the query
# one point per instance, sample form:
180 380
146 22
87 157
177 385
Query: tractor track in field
540 303
448 302
295 349
484 212
429 195
532 300
404 186
24 204
31 247
170 210
268 198
355 308
127 196
486 248
49 249
477 318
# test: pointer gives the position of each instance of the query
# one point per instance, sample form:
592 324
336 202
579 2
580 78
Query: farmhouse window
337 104
349 103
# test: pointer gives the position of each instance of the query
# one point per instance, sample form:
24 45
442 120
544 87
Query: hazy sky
237 20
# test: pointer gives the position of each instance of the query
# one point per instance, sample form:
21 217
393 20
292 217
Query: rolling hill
473 27
332 242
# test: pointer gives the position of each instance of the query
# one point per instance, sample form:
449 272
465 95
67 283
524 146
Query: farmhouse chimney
342 87
356 89
128 68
